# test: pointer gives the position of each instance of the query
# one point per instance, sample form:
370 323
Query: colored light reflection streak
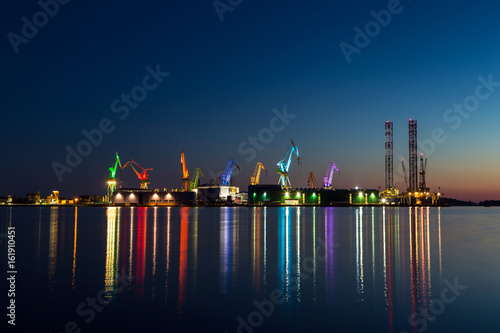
225 250
183 259
388 238
439 239
329 253
373 249
141 251
193 241
73 285
167 254
257 258
298 263
265 249
54 226
359 252
420 259
112 237
314 255
131 244
285 254
155 220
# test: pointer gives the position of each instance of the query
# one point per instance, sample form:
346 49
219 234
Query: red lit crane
142 176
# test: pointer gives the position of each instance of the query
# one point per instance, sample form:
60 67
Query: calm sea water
279 269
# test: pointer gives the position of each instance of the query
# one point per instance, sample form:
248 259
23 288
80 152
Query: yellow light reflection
110 278
54 226
73 285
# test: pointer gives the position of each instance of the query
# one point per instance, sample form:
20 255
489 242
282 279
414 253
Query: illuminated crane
226 176
142 176
423 167
186 182
112 176
284 165
406 176
194 184
254 180
312 180
327 180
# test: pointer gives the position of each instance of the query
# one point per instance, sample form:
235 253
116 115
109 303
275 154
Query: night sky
205 85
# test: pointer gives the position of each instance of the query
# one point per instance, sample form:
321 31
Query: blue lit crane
226 176
284 165
327 180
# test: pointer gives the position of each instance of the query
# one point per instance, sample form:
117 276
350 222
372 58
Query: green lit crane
112 176
194 184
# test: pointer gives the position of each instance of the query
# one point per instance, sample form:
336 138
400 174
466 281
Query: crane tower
412 134
389 173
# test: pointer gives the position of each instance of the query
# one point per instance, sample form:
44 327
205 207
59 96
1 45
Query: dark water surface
282 269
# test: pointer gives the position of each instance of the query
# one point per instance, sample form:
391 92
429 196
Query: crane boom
112 169
226 176
254 180
194 183
406 176
284 165
143 176
312 180
112 176
327 180
186 182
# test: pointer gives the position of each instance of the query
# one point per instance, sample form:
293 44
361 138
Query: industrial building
274 195
145 197
213 193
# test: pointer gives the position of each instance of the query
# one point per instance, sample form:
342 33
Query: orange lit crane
312 180
142 175
186 182
254 180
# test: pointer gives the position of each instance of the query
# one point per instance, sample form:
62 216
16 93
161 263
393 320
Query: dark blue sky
226 77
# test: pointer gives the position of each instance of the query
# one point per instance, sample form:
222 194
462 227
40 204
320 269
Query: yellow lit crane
254 180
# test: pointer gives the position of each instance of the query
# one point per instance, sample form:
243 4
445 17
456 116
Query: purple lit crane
327 180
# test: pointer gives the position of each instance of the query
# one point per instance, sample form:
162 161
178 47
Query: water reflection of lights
141 251
54 226
73 285
155 220
359 251
228 249
257 250
112 237
183 259
167 255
